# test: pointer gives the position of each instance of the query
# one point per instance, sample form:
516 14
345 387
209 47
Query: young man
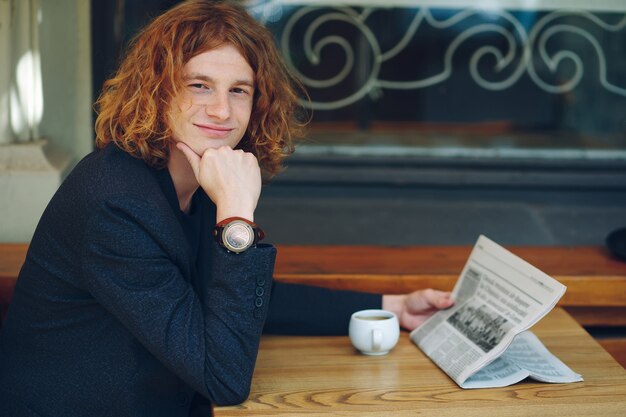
145 290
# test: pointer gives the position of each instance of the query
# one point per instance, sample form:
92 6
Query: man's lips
214 130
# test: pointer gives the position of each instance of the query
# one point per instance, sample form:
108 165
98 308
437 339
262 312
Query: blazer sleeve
131 268
306 310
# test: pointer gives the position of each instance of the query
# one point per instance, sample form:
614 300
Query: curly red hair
132 109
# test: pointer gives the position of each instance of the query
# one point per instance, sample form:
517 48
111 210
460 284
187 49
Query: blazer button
259 291
258 302
260 282
182 399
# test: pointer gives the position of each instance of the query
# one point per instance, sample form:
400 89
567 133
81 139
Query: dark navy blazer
118 312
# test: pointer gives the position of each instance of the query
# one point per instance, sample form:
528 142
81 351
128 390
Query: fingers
439 299
423 300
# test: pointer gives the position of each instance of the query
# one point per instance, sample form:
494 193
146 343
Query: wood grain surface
325 376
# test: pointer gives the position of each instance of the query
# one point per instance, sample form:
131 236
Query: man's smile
213 130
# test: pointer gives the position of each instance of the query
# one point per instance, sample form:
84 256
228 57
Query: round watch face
238 236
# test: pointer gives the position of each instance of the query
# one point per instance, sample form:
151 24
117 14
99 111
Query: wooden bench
596 282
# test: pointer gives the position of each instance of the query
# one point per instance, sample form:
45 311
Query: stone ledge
30 174
32 156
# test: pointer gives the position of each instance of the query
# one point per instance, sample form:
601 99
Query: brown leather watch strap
260 234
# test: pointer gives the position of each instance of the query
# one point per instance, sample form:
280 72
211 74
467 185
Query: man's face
213 109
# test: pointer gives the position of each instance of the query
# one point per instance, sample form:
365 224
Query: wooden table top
320 376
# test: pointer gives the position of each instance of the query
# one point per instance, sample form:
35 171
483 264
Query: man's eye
239 91
197 86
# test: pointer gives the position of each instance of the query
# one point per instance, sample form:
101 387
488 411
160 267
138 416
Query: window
438 120
447 79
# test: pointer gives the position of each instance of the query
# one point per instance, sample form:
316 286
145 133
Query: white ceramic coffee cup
374 332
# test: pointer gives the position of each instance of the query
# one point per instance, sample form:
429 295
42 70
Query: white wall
30 172
65 42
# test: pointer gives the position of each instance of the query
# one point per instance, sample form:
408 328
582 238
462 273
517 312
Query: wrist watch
237 234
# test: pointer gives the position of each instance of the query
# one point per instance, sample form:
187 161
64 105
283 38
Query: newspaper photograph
482 340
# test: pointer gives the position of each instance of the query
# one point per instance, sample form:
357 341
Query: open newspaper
483 341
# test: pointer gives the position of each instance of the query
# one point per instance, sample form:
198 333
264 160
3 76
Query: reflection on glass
508 76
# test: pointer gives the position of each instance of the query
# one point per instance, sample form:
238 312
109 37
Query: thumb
192 157
443 300
423 300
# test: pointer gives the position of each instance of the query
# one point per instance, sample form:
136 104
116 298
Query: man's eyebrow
206 78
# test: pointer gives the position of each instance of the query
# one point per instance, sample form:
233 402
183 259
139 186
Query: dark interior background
365 194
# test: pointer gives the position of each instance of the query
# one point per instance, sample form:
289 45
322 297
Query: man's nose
218 106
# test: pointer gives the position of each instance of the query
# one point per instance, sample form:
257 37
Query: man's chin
199 149
216 144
